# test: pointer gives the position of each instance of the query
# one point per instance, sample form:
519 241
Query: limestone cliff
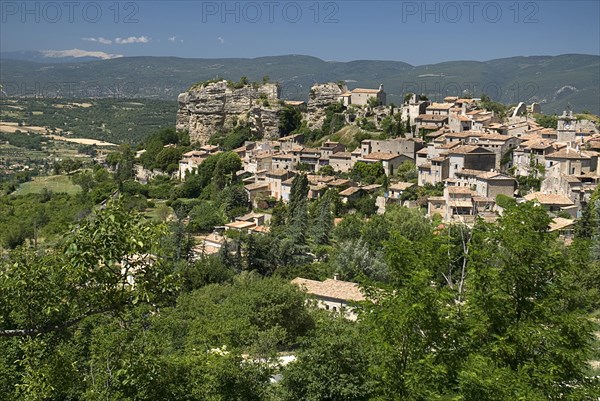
321 96
209 108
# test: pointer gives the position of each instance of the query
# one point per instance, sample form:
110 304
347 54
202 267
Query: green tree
332 364
367 173
523 308
290 119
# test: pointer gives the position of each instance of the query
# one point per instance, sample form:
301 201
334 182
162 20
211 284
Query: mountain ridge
568 80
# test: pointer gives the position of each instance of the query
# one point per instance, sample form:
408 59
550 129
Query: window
334 309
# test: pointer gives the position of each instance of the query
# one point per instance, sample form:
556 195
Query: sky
416 32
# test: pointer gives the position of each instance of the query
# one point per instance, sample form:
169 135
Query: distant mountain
58 56
555 81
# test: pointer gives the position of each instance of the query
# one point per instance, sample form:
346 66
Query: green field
54 183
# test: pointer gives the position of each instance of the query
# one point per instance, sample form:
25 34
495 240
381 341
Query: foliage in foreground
497 312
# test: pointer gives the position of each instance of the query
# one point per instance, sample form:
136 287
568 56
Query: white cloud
77 53
172 38
132 39
221 39
100 39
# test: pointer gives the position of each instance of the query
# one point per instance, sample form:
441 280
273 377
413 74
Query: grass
54 183
159 212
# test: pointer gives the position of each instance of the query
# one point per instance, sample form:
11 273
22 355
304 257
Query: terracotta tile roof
569 153
261 229
558 223
371 187
448 145
429 126
278 173
240 225
349 191
339 182
460 203
440 106
256 186
465 149
336 289
432 117
363 90
469 172
250 216
495 137
311 150
436 199
549 199
539 144
459 190
401 186
381 156
341 155
283 156
492 175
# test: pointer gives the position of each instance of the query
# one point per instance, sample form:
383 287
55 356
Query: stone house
400 146
458 204
390 161
470 157
534 150
497 144
341 161
287 143
396 190
257 161
361 96
442 109
434 171
350 194
283 161
274 179
573 161
553 202
430 122
488 184
411 109
192 159
333 295
330 147
257 190
310 157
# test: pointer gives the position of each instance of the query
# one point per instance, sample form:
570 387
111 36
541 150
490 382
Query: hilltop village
340 247
473 159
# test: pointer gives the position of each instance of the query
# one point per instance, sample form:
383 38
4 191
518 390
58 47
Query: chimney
336 276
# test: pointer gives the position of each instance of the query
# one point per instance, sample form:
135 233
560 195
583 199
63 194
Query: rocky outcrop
212 107
321 96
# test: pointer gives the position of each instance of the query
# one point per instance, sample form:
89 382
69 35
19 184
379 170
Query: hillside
554 81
